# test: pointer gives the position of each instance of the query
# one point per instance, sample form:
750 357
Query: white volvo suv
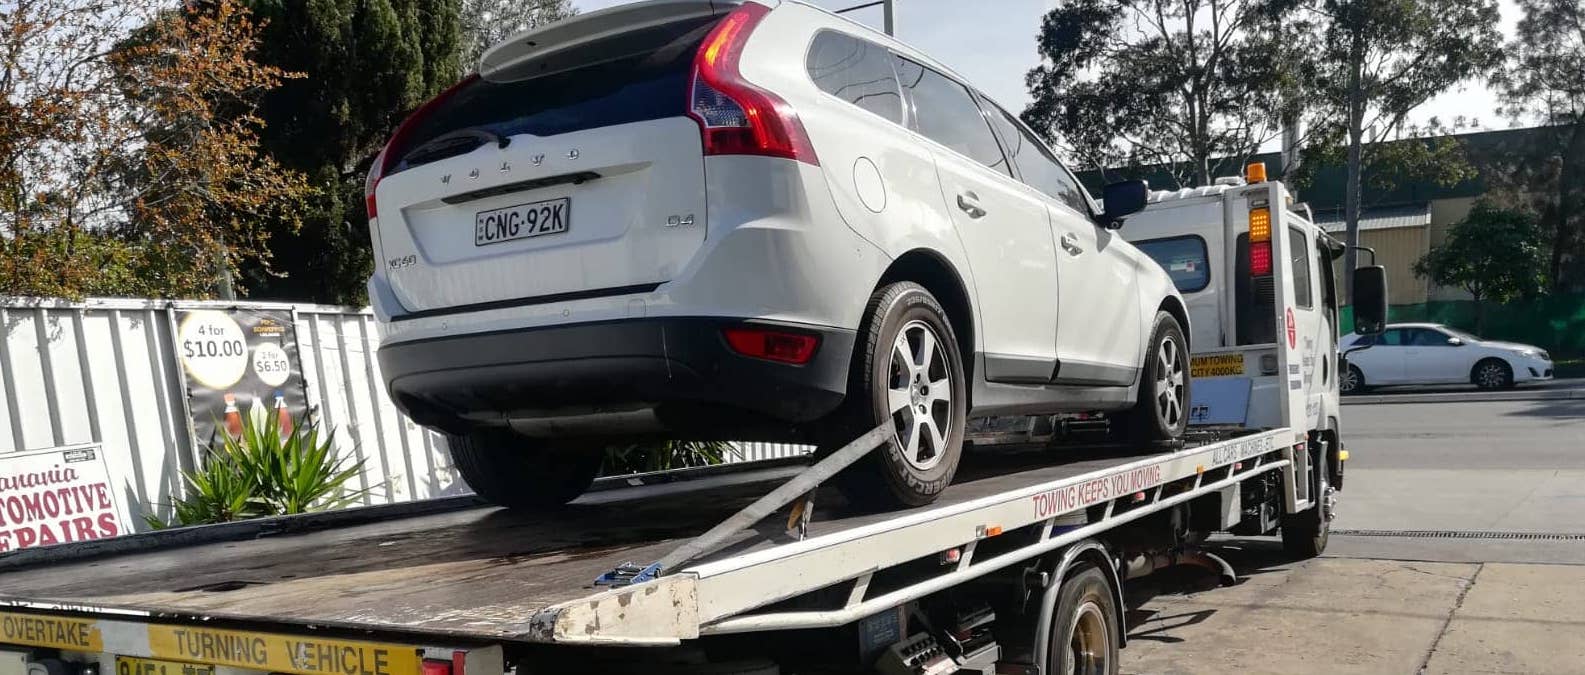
752 220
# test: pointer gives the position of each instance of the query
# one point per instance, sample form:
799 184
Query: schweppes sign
282 653
50 631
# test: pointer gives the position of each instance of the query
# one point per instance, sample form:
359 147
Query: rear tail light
1260 258
772 345
387 157
1260 241
736 117
434 667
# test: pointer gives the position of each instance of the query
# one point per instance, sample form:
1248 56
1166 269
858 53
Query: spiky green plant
265 472
217 492
665 455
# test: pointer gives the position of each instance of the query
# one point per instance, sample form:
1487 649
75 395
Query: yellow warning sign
282 653
1216 365
37 630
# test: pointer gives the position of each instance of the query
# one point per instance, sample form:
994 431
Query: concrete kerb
1470 396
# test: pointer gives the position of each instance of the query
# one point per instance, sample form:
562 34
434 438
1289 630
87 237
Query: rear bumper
679 368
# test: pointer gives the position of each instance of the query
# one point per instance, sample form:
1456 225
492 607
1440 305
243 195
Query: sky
994 48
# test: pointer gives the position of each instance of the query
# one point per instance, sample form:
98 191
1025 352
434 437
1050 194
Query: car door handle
970 203
1070 243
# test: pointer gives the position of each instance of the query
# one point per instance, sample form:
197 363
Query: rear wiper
449 141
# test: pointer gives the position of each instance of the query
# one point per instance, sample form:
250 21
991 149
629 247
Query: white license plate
534 219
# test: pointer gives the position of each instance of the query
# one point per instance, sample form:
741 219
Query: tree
1495 254
1544 82
1379 60
119 174
1190 85
487 22
367 64
1429 153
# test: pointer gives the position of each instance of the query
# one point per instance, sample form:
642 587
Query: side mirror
1122 200
1456 342
1370 300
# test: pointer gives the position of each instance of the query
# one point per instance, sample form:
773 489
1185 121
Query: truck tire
1161 410
908 372
518 472
1305 534
1085 636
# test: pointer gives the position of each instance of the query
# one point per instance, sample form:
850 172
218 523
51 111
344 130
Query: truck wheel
907 372
1084 630
518 472
1161 411
1492 374
1304 534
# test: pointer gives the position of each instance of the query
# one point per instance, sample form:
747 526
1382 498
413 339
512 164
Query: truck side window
1299 253
1184 258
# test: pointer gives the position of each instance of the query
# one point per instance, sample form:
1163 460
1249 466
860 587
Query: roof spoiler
582 29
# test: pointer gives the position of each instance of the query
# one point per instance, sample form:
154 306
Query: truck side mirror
1370 300
1123 199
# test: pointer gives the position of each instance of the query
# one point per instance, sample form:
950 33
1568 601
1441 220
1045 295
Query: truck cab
1257 276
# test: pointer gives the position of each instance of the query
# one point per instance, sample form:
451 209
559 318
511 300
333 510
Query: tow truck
1019 567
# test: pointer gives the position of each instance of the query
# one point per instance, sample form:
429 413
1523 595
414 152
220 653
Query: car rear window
648 81
856 71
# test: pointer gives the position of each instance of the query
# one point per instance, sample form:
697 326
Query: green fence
1555 322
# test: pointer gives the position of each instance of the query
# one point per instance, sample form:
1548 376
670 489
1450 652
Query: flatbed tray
478 573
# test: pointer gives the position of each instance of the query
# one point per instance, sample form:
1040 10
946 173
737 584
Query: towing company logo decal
282 653
1095 491
1242 450
1293 331
50 631
1216 365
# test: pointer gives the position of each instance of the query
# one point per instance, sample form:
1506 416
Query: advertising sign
239 362
57 496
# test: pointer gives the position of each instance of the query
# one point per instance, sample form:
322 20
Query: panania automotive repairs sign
56 496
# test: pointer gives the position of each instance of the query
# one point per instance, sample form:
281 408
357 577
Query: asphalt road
1512 469
1492 579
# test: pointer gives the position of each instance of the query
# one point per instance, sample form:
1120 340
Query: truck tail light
1260 241
772 345
388 157
736 117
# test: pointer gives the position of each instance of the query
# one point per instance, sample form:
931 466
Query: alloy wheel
1349 382
919 395
1491 376
1169 383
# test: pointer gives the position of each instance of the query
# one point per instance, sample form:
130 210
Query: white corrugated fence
102 371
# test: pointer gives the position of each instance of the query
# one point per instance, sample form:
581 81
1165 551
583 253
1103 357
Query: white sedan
1430 353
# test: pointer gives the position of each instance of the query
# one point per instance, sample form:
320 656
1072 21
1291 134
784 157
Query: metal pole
889 23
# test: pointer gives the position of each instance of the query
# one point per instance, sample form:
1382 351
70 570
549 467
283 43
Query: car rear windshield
648 81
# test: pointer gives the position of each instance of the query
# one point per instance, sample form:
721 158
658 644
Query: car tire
1161 409
507 469
1492 373
1352 382
922 392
